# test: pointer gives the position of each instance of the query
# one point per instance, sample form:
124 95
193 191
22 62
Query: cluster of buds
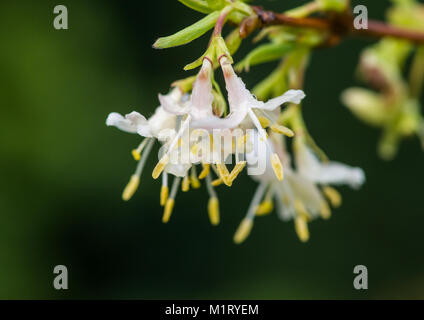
394 102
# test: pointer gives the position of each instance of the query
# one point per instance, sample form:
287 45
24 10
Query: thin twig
338 25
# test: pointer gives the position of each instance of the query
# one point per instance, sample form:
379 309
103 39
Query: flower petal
171 102
337 173
327 173
201 96
213 122
293 96
131 123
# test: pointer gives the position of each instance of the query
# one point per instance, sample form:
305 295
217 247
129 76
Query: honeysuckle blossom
330 172
242 105
299 195
160 126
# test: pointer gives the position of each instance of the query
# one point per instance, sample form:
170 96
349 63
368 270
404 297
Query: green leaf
264 53
188 34
198 5
333 5
216 4
233 41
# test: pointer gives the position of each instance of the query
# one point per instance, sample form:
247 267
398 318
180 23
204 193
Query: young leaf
198 5
264 53
188 34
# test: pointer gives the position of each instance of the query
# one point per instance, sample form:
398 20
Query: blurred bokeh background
63 171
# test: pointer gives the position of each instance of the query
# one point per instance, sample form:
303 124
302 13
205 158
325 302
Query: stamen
242 141
135 178
301 227
195 183
131 187
261 131
224 174
217 182
194 149
205 171
282 130
264 121
169 205
246 224
236 170
160 166
163 195
301 210
243 230
333 196
277 166
325 210
136 153
185 186
265 208
164 191
213 210
165 159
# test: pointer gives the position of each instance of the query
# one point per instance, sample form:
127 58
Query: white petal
179 170
238 95
130 123
338 174
293 96
327 173
201 96
307 192
213 122
170 105
161 120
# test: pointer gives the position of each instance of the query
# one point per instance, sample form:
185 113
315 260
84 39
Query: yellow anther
325 210
301 210
195 183
241 142
224 174
136 154
243 230
277 166
301 227
160 166
195 149
236 170
282 130
131 187
180 142
164 191
217 182
264 122
205 171
185 186
169 205
264 208
333 196
213 210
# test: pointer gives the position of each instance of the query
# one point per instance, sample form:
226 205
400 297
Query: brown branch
337 25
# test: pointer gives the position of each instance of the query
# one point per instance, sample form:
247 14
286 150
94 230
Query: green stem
416 75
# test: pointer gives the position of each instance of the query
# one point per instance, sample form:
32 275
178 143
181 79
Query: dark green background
63 171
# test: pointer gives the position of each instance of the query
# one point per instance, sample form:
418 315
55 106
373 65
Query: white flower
241 102
298 196
161 120
132 123
160 126
330 172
